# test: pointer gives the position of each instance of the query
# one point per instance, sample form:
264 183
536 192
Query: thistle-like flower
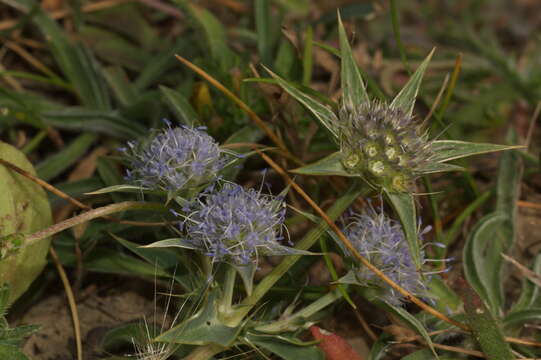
175 160
381 241
236 225
379 141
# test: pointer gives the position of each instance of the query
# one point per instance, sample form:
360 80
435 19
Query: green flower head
381 142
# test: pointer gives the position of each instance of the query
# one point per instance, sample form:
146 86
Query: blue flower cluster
381 241
175 159
237 225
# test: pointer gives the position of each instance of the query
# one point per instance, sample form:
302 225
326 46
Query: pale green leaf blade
353 88
329 165
327 118
405 99
434 167
173 242
286 350
446 150
404 206
117 188
483 268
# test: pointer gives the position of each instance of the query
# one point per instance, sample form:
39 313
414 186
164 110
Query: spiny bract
382 144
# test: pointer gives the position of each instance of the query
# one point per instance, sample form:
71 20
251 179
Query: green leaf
205 327
246 273
329 165
82 119
263 26
213 31
117 188
414 324
24 208
404 206
180 106
378 351
446 150
482 258
326 117
405 99
118 81
173 242
353 88
110 261
57 163
75 60
161 258
446 298
485 327
529 293
287 350
11 352
434 167
523 316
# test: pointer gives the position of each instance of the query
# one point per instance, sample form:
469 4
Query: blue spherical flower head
236 225
381 241
175 160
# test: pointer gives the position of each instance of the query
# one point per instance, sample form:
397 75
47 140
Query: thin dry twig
72 200
71 302
531 275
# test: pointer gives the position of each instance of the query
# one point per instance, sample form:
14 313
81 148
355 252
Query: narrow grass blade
180 106
57 163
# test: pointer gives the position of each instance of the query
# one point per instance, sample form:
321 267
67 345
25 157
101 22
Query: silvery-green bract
175 160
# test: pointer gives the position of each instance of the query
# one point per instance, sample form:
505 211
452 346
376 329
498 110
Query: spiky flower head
383 144
175 160
381 241
236 225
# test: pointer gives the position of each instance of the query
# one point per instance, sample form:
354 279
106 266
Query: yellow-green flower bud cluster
382 144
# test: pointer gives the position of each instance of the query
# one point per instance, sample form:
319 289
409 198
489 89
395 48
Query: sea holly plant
382 143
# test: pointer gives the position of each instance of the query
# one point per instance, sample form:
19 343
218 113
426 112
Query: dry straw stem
71 302
87 216
72 200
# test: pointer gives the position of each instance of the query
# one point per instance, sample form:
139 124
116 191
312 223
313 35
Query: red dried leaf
334 346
